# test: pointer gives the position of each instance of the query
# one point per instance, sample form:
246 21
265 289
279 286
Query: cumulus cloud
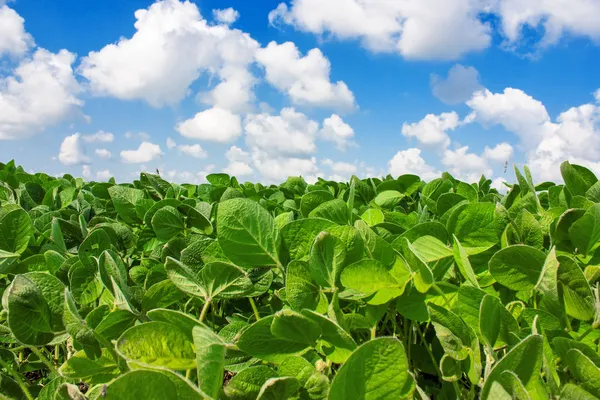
239 162
455 27
143 136
226 16
103 175
103 153
466 166
14 40
193 150
41 92
290 133
500 153
215 124
171 47
458 87
99 137
146 152
276 169
432 130
409 161
305 79
340 171
72 151
337 131
86 172
171 143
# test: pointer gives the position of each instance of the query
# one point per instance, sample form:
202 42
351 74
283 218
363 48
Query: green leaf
278 388
490 319
259 341
462 262
453 334
312 200
334 342
15 230
210 359
300 290
78 329
247 384
327 257
293 326
585 232
333 210
477 225
370 277
298 236
430 249
584 370
577 295
423 278
372 217
375 246
388 198
124 199
247 234
517 267
525 361
578 179
376 370
161 295
151 385
167 223
157 344
100 370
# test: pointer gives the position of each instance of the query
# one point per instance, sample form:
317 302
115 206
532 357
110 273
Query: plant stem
253 304
204 309
43 359
18 379
188 374
584 334
374 332
433 360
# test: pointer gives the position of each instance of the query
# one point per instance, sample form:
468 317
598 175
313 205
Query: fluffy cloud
239 162
100 136
215 124
432 130
193 150
143 136
410 162
72 151
501 153
103 175
290 133
145 153
466 166
172 46
103 153
13 38
305 79
41 92
276 169
455 28
226 16
86 172
458 87
341 171
171 143
337 131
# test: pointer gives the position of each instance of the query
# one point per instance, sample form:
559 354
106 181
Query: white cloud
432 130
100 136
14 40
41 92
276 169
226 16
143 136
171 143
337 131
103 175
145 153
428 29
86 172
239 162
103 153
234 153
290 133
201 176
409 161
193 150
500 153
172 46
305 79
341 171
215 124
439 29
466 166
597 95
458 87
72 151
515 110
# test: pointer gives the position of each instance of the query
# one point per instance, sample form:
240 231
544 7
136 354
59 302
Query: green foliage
369 289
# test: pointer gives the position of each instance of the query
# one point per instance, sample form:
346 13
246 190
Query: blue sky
268 89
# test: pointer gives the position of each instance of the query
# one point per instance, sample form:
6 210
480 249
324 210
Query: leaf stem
44 360
374 332
204 309
584 334
253 304
17 379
